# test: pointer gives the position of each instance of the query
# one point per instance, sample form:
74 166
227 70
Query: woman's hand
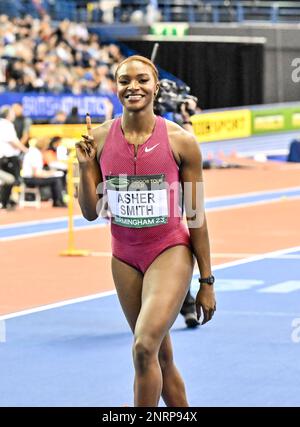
205 301
86 148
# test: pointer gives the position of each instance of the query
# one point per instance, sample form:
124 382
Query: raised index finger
88 124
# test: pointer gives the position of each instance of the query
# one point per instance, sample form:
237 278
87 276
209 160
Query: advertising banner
45 106
222 125
276 119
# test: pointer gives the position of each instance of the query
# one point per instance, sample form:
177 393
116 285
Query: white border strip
253 193
37 222
2 331
280 199
258 313
49 232
56 305
272 254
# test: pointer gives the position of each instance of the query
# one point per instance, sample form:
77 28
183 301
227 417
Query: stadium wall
281 49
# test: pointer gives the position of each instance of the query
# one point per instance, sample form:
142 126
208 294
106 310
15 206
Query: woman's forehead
135 67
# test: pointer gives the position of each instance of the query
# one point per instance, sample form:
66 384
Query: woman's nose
134 84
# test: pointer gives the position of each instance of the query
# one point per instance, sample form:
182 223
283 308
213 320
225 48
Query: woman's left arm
192 182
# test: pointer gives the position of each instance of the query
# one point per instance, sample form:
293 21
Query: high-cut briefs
141 256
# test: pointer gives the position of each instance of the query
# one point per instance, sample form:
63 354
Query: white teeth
134 97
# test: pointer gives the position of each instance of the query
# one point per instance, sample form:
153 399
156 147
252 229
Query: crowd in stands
37 56
31 162
34 162
150 11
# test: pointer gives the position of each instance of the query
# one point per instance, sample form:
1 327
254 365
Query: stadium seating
215 10
171 10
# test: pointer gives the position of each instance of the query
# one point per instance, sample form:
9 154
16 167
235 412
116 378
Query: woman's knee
145 350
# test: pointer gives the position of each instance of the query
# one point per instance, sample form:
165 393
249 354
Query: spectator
7 181
59 118
35 175
22 124
55 157
10 151
73 117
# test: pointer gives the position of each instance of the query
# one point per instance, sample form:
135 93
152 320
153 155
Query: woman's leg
129 283
164 288
173 390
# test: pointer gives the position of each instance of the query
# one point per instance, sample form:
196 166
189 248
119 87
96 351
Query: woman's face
136 85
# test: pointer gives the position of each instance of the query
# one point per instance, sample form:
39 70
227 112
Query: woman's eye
143 80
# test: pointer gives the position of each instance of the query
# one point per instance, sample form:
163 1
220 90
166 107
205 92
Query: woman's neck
138 122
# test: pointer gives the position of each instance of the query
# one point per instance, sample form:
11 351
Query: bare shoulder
183 143
100 133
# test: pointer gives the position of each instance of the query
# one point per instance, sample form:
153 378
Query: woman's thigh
165 286
128 282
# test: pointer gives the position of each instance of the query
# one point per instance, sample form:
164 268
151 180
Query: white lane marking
282 287
2 331
253 193
37 222
230 285
50 232
285 257
56 305
258 313
250 204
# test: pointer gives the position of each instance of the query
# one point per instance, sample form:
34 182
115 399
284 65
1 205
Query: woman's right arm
90 177
89 173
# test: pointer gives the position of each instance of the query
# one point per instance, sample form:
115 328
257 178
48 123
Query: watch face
211 280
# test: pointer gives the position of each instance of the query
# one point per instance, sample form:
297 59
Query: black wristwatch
208 280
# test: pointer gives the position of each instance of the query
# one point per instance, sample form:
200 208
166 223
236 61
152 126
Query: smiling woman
137 82
140 160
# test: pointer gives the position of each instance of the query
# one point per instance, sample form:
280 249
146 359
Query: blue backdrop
45 106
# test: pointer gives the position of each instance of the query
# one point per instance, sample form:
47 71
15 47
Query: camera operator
188 109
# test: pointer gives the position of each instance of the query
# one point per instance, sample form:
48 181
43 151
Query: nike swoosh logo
147 149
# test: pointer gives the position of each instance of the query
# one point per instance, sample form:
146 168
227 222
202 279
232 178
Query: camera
171 96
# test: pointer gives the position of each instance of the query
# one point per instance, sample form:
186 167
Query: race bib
137 201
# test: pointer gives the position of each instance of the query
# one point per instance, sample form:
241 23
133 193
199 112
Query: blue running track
248 355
